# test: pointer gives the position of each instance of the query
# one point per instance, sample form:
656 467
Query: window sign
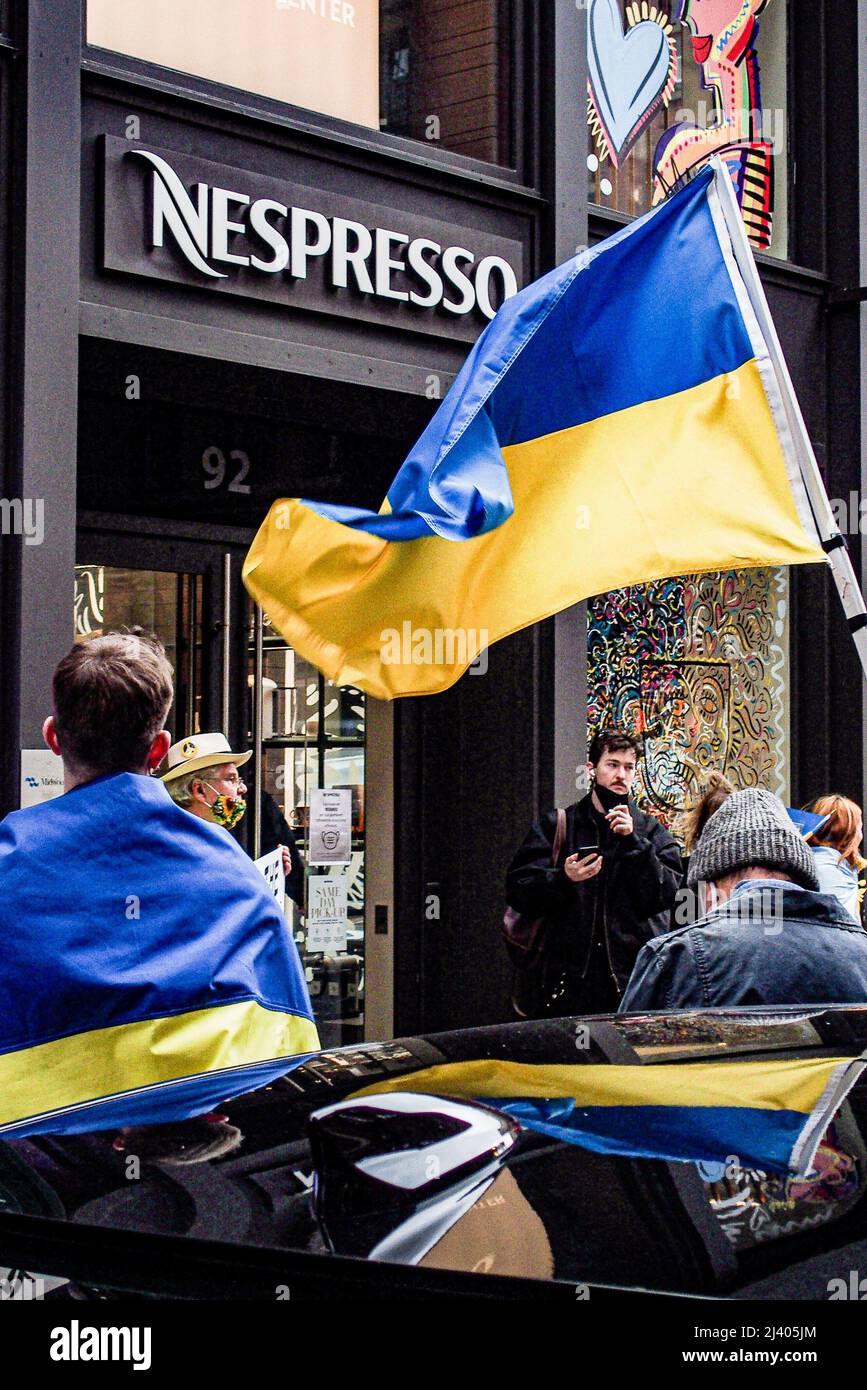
322 54
326 913
89 600
41 776
330 825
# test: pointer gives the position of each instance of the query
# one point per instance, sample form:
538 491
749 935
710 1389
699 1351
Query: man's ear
49 733
197 790
158 750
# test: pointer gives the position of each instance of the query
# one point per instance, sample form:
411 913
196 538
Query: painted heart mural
632 73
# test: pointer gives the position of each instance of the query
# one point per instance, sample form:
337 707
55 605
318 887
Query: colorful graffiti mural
632 73
698 667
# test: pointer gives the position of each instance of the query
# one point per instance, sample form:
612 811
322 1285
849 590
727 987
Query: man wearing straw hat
202 776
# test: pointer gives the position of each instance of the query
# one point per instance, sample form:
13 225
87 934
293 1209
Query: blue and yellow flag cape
768 1114
618 421
146 974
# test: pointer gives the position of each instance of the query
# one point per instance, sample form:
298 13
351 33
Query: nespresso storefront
271 312
254 240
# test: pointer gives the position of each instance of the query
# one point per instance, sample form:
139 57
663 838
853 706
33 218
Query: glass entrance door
168 604
309 736
235 674
185 589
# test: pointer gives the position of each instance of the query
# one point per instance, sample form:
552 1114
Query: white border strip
837 1088
848 588
775 377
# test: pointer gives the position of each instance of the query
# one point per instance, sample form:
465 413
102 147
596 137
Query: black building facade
163 381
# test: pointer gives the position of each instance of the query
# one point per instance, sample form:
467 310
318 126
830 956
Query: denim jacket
769 944
837 876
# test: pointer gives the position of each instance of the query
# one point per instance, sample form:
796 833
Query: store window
313 739
445 74
698 668
438 71
672 84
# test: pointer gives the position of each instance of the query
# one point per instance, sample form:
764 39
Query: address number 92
216 466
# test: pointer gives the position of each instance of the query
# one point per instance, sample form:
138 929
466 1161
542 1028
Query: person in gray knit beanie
751 829
769 936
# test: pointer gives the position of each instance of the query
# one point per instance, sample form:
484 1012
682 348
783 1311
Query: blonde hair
694 819
840 831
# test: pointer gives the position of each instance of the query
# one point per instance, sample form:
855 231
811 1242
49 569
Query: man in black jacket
617 870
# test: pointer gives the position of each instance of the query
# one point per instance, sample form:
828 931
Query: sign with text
270 867
320 54
326 912
179 218
41 776
330 825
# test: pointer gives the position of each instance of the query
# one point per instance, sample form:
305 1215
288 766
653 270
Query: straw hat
201 751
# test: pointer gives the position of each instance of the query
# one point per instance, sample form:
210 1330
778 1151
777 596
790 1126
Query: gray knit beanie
751 827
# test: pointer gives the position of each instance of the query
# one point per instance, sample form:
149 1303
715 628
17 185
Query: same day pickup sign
330 843
326 913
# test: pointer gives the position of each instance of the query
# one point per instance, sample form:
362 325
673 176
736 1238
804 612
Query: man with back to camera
143 948
617 870
768 935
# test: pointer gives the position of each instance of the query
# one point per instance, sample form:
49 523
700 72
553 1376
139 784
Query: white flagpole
833 542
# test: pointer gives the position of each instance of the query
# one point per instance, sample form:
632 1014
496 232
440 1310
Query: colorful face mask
227 810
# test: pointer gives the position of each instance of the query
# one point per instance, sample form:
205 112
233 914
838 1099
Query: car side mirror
393 1172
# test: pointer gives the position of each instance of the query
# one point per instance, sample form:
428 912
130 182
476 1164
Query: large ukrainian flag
619 420
147 974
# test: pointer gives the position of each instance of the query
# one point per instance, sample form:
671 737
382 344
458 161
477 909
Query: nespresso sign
175 217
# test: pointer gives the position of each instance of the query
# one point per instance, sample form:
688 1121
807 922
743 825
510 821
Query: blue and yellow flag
807 822
768 1114
146 973
619 420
